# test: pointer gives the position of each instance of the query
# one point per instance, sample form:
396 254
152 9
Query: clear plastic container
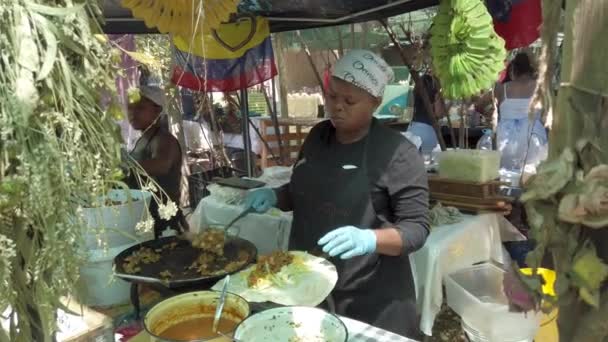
476 294
485 142
477 166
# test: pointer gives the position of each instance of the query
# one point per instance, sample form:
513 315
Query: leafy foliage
58 150
559 199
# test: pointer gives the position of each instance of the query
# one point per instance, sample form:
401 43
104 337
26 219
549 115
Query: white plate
292 324
306 289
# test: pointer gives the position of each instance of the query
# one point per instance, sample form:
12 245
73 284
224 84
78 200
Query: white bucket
113 226
97 285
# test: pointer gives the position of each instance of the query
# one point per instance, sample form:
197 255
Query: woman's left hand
348 242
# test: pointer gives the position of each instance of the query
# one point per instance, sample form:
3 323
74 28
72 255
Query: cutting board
468 196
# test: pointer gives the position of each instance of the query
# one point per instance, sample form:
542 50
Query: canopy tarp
285 15
328 38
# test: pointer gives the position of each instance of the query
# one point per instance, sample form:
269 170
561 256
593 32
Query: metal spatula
192 236
220 304
236 219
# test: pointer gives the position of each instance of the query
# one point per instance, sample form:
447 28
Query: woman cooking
359 192
158 153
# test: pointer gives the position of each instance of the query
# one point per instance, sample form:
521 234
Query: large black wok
176 260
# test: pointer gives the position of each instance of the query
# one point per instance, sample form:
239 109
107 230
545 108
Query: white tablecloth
362 332
453 247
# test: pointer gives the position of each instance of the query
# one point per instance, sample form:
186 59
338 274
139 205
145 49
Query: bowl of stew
189 317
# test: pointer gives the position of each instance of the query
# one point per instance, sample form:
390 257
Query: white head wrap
365 70
154 94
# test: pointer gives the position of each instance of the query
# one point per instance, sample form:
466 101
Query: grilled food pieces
210 240
206 264
268 265
142 256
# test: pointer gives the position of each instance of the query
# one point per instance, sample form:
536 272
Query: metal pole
274 96
246 137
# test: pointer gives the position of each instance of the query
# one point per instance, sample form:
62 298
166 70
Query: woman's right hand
261 200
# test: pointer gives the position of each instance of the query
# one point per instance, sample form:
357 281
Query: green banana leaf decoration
467 54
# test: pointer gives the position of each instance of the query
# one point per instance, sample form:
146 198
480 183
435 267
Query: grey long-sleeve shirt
396 174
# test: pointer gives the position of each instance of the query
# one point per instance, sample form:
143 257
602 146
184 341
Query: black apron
169 183
327 196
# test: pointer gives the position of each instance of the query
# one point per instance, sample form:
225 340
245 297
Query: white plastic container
476 294
112 226
97 285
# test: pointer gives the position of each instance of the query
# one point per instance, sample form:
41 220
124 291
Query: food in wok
166 274
174 262
210 240
206 263
143 255
211 244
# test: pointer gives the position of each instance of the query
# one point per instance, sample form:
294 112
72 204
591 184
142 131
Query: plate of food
288 278
292 324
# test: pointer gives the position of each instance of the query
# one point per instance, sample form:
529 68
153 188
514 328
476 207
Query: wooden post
275 122
279 51
418 81
340 41
364 34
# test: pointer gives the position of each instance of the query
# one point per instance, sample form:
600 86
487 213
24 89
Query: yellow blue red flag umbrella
234 56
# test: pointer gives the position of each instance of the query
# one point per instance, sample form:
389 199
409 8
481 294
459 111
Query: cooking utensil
220 304
236 219
193 306
176 255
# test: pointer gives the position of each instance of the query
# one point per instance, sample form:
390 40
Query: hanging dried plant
58 150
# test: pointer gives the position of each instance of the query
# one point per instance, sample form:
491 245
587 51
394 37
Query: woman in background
421 124
515 131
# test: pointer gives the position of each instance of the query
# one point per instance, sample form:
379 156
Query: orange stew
198 329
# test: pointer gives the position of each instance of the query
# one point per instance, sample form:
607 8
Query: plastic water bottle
485 142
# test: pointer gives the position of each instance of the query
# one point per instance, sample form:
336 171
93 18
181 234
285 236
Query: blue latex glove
261 200
348 242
